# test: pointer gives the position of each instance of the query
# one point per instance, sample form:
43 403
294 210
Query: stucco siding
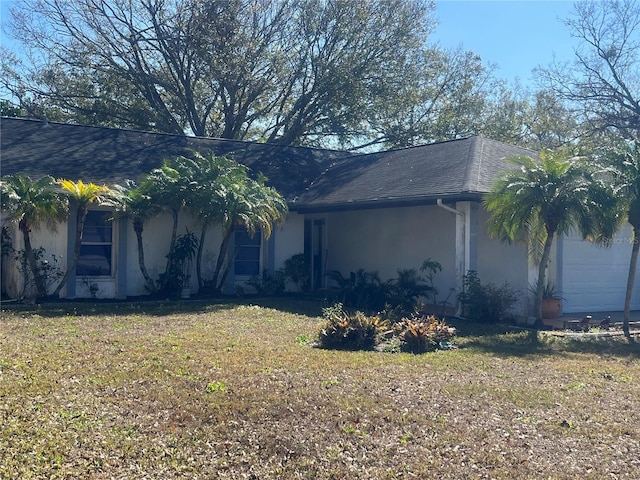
499 263
386 240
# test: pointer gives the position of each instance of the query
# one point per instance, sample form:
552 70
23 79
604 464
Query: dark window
247 261
96 249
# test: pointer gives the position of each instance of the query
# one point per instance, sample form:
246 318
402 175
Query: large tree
287 71
32 203
538 200
602 83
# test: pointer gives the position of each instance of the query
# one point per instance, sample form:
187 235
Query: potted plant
551 302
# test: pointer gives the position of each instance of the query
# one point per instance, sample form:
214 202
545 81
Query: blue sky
516 35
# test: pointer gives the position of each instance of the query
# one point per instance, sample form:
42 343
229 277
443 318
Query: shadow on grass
307 306
505 340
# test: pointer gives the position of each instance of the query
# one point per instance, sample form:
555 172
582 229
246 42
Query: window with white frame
96 251
247 260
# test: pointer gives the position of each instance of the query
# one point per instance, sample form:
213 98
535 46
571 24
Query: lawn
164 391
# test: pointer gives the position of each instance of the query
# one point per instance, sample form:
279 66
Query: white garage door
594 279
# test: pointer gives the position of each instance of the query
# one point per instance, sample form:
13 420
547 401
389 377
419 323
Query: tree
285 71
130 201
81 195
31 204
541 199
602 85
248 203
622 168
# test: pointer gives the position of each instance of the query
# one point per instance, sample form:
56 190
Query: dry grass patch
236 391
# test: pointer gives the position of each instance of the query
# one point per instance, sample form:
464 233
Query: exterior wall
54 243
499 263
288 239
386 240
156 238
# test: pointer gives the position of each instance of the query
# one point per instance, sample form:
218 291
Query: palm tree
82 195
130 201
170 187
32 203
623 170
542 199
248 203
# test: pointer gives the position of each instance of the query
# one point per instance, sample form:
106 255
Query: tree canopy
297 72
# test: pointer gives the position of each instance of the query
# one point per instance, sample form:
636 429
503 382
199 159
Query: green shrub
297 271
423 334
487 303
267 283
345 331
361 290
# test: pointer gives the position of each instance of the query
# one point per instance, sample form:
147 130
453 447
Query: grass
192 390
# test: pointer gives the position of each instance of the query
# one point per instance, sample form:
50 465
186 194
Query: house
378 211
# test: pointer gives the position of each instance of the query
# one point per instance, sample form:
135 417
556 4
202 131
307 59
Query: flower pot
186 292
551 308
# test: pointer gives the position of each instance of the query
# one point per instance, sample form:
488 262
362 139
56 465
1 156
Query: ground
197 390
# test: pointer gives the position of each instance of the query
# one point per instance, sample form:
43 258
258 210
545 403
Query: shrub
486 303
297 271
268 284
360 290
345 331
423 334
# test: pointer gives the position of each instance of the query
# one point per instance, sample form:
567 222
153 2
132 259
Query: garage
593 278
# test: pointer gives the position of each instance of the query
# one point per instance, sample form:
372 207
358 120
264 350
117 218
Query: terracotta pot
551 308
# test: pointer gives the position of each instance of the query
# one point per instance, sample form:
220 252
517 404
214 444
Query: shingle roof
311 179
461 168
109 155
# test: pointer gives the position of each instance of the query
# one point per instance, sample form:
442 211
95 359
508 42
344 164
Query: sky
516 35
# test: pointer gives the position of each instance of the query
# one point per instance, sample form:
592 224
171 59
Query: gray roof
311 179
108 155
455 169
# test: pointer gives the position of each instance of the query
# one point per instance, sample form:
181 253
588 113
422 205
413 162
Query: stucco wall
53 241
499 263
386 240
289 239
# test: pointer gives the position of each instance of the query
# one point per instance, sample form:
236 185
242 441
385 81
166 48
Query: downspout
448 208
460 247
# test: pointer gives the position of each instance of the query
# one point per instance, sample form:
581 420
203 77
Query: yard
162 391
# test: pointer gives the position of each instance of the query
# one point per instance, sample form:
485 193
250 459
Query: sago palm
31 204
540 199
82 196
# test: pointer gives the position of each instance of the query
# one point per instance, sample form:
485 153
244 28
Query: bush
345 331
486 303
297 271
268 284
423 334
361 290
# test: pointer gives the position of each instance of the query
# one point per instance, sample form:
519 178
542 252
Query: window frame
97 242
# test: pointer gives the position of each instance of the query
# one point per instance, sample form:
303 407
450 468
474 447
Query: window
96 248
247 261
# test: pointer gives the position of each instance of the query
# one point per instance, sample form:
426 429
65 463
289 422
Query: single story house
379 211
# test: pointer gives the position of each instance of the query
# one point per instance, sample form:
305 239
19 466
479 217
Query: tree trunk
631 280
224 246
81 215
149 285
203 234
542 269
41 285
